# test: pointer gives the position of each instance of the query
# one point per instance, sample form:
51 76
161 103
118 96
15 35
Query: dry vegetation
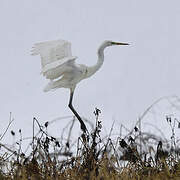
138 155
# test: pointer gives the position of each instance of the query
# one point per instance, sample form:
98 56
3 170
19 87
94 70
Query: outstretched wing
55 57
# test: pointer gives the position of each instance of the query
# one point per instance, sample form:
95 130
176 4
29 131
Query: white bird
60 67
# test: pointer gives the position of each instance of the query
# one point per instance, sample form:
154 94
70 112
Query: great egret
60 67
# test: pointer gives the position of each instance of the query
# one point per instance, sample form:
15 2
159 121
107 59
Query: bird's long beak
118 43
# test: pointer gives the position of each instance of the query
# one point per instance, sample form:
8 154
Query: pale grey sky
131 77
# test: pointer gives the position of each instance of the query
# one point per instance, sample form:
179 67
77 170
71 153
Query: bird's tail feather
49 86
53 85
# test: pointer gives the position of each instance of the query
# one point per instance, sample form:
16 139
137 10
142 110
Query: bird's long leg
83 126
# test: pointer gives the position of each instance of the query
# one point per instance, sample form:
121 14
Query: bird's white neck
92 69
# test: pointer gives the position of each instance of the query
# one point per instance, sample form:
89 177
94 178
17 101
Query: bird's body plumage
59 66
69 78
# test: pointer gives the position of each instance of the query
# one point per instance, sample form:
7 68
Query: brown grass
95 158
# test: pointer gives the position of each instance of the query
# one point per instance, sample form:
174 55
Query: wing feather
55 56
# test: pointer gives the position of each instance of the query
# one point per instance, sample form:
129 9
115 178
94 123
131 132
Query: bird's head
108 43
112 43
